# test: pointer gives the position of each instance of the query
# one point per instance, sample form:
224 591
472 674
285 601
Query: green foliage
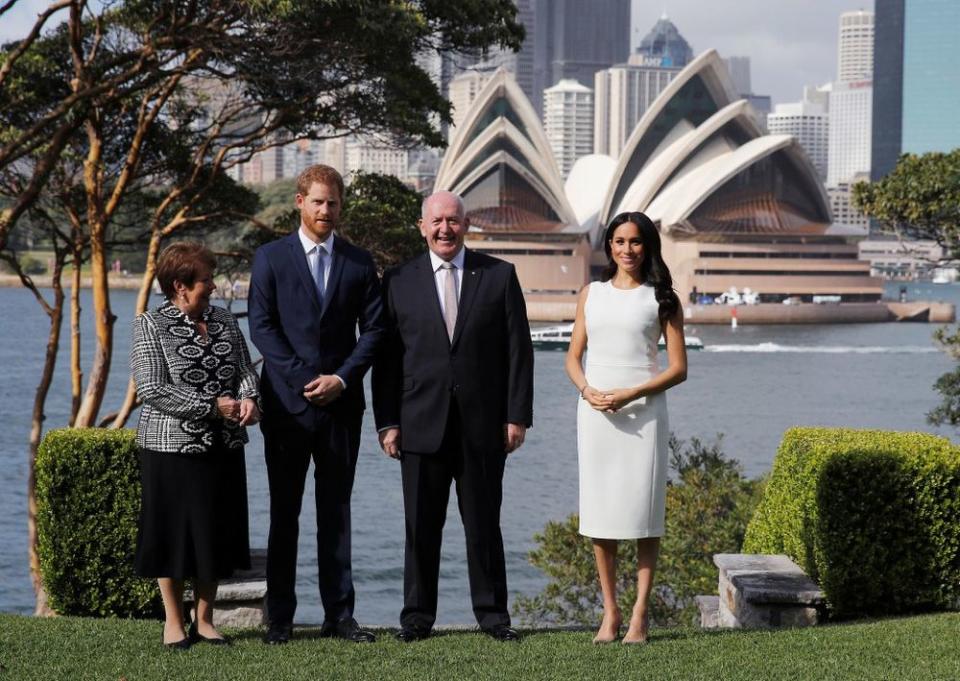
708 505
380 214
88 501
918 199
872 516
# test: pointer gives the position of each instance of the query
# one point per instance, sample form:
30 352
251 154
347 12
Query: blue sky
791 43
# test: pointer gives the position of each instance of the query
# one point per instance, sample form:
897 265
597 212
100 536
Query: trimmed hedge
872 516
88 500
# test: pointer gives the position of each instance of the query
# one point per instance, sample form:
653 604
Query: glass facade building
916 83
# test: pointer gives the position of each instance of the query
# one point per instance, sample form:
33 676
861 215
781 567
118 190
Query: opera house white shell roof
696 162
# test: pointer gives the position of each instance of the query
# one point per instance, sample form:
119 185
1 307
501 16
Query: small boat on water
558 338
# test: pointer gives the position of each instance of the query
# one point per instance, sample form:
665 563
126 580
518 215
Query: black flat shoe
348 630
194 635
182 644
411 634
278 634
503 633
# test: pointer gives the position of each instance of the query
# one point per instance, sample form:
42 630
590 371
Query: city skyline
789 47
793 46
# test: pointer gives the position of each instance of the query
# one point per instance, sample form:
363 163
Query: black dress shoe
195 637
348 630
278 634
502 632
182 644
411 634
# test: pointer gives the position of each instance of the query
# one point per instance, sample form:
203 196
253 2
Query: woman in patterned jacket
198 388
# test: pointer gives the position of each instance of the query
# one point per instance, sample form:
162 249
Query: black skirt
193 515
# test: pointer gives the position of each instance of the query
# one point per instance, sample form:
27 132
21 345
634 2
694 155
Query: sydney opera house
735 207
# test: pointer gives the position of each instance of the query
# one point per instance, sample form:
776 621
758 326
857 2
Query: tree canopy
918 199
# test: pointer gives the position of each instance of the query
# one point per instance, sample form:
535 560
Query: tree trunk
143 300
76 370
36 431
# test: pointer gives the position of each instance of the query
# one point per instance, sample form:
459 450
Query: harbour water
750 384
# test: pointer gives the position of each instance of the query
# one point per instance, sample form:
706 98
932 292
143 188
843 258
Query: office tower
568 122
622 94
851 100
739 68
574 39
916 84
808 121
664 43
855 54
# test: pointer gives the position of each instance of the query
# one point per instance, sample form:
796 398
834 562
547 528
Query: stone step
241 599
765 591
709 607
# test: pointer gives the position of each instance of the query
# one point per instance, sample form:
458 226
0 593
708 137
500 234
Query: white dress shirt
313 251
438 273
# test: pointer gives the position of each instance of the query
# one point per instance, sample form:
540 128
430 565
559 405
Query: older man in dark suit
309 294
453 395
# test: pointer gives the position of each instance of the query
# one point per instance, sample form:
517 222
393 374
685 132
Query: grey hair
461 210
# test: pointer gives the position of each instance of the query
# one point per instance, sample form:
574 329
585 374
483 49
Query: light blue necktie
318 274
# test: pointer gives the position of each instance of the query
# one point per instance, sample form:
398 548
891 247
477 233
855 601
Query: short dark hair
182 261
322 174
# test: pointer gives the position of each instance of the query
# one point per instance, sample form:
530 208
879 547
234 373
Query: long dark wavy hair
653 270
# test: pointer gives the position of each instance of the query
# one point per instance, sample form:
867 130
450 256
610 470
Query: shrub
88 500
872 516
708 505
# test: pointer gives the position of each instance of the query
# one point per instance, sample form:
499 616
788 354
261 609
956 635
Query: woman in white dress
622 429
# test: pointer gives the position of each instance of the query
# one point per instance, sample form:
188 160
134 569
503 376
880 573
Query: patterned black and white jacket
179 375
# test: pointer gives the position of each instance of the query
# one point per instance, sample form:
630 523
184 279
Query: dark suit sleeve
370 323
266 331
520 355
388 366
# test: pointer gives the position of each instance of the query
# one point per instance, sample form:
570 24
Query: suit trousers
333 445
478 479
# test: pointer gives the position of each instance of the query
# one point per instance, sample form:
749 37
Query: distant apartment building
808 121
842 208
568 122
622 94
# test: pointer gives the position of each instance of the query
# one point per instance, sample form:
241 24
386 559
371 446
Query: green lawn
926 647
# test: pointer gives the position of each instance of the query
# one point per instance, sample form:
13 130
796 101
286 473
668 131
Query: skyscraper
851 100
575 39
568 122
855 54
622 94
917 85
665 44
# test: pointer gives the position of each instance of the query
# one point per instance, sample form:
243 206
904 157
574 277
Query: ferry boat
558 338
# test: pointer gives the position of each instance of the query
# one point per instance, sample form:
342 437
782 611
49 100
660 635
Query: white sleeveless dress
623 455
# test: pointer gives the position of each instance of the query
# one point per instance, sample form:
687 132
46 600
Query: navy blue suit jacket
299 340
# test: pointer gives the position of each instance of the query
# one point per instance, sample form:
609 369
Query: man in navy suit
452 396
309 293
